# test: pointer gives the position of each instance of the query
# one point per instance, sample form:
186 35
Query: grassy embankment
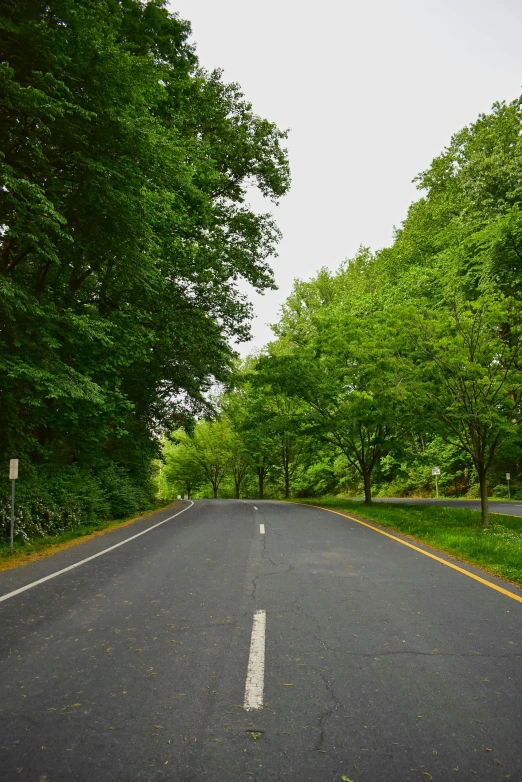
455 531
37 548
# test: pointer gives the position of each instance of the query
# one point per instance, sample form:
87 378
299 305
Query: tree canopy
125 228
409 357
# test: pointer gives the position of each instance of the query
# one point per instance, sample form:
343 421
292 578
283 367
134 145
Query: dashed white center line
255 680
255 508
262 529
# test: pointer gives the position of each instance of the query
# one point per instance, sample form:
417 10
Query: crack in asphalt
327 712
283 569
389 653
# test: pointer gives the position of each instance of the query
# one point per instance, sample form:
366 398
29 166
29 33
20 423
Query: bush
52 499
123 496
36 519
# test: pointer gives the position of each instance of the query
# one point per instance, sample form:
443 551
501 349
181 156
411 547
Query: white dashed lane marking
255 680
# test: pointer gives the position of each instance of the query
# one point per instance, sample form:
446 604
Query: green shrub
52 499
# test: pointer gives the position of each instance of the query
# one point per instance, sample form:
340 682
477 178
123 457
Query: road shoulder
40 564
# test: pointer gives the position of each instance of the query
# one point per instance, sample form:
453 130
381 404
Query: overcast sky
371 92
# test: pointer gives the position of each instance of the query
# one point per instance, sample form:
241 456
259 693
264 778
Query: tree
465 376
210 448
335 362
284 419
125 229
232 412
182 469
244 406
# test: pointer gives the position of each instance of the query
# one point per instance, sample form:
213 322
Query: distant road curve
511 508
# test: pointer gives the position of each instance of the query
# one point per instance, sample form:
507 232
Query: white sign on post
13 469
435 470
508 476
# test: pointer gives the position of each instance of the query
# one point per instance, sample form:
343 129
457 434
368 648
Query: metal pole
12 511
437 486
509 493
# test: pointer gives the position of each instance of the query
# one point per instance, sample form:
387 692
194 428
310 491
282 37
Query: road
380 663
495 506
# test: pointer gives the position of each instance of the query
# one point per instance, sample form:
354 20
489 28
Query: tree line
124 229
405 358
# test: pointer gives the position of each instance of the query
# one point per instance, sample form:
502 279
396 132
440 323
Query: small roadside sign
13 475
508 476
436 472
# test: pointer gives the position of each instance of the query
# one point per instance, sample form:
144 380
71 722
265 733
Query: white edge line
262 529
255 680
88 559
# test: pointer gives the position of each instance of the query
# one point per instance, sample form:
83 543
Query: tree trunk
215 492
261 477
484 502
236 485
286 469
367 488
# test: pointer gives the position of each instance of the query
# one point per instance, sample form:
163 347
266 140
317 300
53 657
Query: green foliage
410 357
51 501
125 227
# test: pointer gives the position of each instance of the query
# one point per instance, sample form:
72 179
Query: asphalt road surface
495 506
253 642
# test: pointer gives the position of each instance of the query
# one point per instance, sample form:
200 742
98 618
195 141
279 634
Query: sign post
13 474
436 472
508 478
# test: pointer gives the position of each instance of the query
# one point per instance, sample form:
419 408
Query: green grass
36 548
456 531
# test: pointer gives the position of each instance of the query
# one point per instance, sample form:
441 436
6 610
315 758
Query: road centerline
262 529
255 679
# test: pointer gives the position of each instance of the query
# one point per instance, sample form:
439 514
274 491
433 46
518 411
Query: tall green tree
465 377
124 169
210 447
181 467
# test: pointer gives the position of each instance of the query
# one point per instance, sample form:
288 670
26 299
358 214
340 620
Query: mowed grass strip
455 531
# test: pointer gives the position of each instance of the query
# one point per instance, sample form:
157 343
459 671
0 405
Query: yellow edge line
421 551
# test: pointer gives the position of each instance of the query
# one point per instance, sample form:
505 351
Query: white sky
372 91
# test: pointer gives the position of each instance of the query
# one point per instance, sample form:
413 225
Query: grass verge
38 548
455 531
